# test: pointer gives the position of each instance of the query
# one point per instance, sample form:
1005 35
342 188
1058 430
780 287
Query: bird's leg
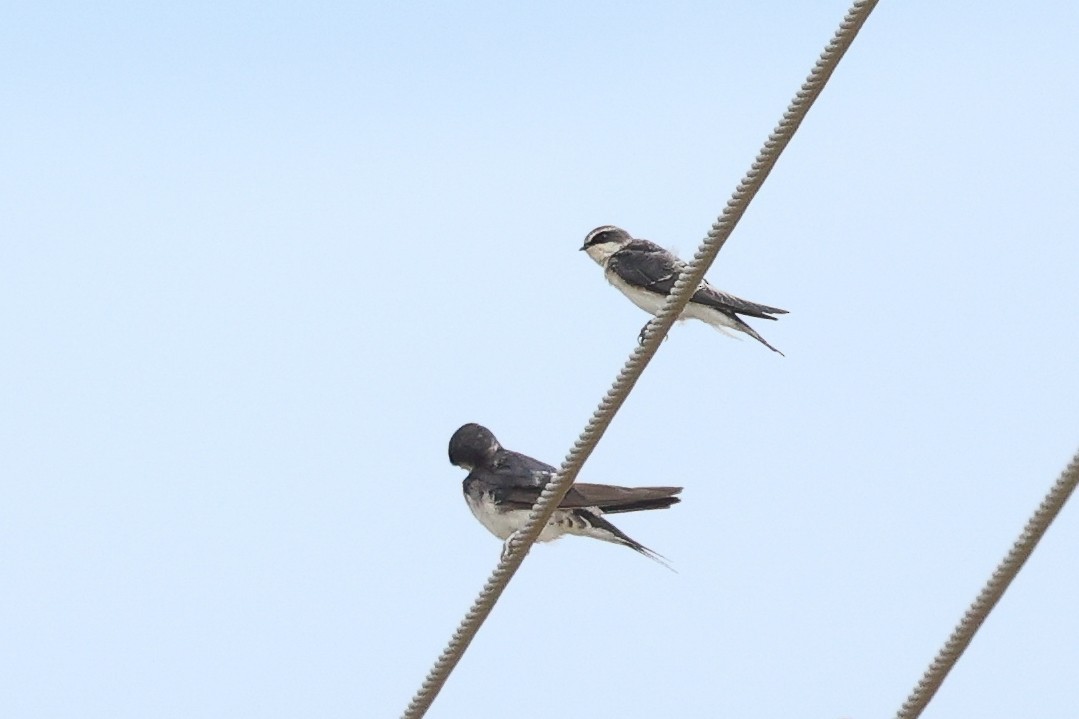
640 337
507 546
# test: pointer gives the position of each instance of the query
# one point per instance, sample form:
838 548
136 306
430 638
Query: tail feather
620 537
726 320
725 302
753 333
651 554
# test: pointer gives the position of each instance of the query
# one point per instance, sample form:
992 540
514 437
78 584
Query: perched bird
645 273
502 486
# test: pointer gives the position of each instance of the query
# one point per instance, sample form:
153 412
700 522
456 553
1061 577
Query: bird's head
603 242
473 445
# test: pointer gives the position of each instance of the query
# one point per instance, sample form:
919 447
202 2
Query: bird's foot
507 546
644 330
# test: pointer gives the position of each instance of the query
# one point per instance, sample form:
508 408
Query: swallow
645 273
502 486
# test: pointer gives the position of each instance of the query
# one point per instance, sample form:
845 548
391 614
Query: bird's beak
582 247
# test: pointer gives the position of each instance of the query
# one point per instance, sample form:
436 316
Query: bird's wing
613 499
520 470
511 477
517 480
608 498
646 265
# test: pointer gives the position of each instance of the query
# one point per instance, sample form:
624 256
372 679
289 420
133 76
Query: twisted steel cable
991 593
601 419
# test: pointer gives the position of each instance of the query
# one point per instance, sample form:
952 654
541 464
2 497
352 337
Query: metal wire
991 593
601 419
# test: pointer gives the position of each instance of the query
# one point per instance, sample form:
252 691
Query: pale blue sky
262 259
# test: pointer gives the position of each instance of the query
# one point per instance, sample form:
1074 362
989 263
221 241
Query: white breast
650 302
502 523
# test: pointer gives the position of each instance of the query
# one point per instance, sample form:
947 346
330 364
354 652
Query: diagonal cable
684 288
991 593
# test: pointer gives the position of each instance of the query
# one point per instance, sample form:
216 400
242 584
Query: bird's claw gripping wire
644 331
